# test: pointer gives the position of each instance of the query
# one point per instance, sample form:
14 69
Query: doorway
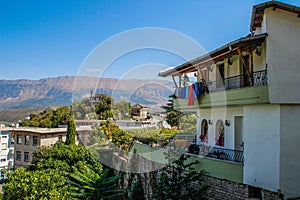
220 75
246 77
238 133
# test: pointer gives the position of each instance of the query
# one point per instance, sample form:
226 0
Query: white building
248 105
6 152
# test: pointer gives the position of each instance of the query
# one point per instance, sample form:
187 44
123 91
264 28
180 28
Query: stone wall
228 190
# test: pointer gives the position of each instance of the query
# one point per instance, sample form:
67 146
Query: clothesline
191 92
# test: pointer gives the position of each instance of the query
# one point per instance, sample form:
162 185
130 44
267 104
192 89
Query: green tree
103 107
71 131
173 115
63 157
83 109
42 184
122 110
88 184
48 176
180 180
187 124
48 119
113 132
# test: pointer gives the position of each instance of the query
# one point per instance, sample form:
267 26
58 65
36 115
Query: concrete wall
262 146
283 47
216 114
259 62
289 150
47 140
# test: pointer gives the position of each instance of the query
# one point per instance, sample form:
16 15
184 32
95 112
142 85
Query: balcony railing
217 153
226 154
258 78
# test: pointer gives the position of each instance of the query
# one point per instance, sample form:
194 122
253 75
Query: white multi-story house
6 152
247 101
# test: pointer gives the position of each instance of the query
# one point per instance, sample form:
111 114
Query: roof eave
274 4
204 57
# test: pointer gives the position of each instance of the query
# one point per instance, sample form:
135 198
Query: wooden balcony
237 90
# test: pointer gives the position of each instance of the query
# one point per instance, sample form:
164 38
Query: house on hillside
27 140
247 101
140 112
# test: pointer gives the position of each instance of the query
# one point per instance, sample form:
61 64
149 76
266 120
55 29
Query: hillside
19 94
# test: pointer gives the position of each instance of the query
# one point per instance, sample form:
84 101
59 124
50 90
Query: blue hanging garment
183 92
187 92
195 88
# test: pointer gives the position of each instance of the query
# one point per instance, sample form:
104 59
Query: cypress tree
71 131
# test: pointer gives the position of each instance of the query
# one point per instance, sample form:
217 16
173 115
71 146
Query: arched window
204 131
220 133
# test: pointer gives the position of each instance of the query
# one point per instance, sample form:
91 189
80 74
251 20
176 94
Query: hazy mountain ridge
59 91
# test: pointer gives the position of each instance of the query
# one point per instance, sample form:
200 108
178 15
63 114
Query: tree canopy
48 176
48 119
104 106
71 131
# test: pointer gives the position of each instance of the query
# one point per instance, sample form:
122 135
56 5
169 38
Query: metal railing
258 78
226 154
217 153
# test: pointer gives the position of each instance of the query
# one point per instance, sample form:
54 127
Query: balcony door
220 76
246 77
238 133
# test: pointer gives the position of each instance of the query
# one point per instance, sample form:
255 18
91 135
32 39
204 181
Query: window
204 129
220 133
3 159
204 73
18 155
27 139
19 139
35 140
26 156
4 136
3 146
220 75
60 138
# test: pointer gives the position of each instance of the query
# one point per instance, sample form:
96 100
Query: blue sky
52 38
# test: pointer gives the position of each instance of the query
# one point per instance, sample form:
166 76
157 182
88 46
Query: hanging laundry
177 92
187 92
191 96
196 90
183 92
202 88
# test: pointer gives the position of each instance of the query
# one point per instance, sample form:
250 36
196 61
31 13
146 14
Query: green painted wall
216 168
242 96
220 169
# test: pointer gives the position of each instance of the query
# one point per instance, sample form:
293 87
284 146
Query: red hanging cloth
191 96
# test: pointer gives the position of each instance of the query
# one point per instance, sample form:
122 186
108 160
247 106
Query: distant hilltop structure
140 112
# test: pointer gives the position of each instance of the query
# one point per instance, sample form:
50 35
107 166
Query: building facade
6 152
247 99
27 140
140 112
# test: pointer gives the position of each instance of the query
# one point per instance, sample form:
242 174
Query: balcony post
179 85
251 66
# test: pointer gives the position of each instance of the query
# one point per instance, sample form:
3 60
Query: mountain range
58 91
